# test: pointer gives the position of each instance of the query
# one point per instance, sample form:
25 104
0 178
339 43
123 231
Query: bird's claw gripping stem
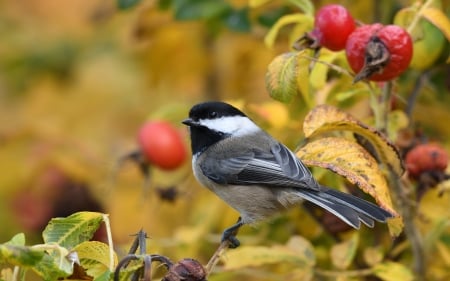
230 233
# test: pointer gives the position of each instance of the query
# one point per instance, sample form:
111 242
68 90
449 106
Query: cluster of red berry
374 51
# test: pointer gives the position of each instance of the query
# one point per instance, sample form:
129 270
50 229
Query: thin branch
418 15
105 218
216 256
408 212
415 93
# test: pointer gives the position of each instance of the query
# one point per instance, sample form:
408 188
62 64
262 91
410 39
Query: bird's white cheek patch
236 125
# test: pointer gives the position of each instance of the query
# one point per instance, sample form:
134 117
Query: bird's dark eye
213 114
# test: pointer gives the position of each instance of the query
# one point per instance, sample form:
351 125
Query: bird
257 175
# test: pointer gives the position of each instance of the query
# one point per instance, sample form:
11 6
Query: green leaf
48 261
20 255
305 5
281 77
17 240
342 254
71 231
127 4
106 276
200 9
300 19
54 266
392 271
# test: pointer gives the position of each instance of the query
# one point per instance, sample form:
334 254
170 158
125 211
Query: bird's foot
229 235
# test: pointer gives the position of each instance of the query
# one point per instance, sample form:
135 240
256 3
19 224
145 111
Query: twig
415 93
330 65
408 212
405 208
105 218
418 15
216 256
385 104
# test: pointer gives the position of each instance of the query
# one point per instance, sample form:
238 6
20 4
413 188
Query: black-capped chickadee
257 175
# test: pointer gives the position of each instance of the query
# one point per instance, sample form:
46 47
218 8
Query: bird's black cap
212 110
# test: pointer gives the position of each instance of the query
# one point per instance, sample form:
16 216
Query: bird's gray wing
277 167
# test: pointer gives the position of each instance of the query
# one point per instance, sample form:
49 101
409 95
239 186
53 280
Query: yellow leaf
342 254
373 255
257 3
300 19
444 252
302 247
392 271
395 226
7 274
275 113
351 161
325 118
298 251
439 19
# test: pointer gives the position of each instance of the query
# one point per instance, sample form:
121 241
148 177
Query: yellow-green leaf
397 120
71 231
392 271
351 161
94 257
318 77
281 77
303 80
325 118
342 254
429 40
298 251
300 19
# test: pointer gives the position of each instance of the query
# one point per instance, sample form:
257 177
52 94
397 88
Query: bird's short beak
189 122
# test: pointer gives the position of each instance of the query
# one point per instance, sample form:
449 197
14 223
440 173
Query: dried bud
186 270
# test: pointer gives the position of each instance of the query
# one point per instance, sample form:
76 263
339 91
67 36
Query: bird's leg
230 233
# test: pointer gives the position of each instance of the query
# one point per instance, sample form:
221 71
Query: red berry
379 53
332 26
162 145
426 157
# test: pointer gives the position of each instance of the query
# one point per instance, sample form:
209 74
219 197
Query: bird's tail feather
349 208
